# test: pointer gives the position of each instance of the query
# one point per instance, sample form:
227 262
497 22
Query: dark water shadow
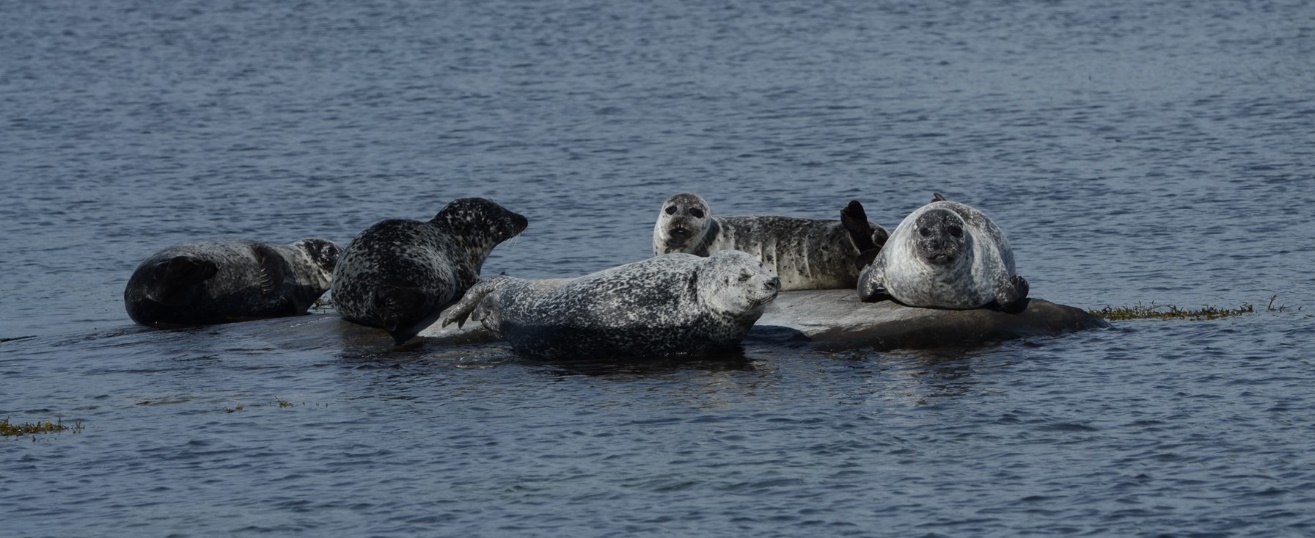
644 366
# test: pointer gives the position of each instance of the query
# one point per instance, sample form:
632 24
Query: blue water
1134 154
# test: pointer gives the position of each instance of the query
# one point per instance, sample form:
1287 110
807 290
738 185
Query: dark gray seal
400 274
804 253
946 255
679 304
219 281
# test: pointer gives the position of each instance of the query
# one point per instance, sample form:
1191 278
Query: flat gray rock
837 319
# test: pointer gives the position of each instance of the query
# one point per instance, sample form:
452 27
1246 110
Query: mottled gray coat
804 253
945 255
400 274
218 281
669 305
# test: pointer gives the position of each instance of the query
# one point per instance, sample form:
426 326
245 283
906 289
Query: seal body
804 253
400 274
945 255
219 281
679 304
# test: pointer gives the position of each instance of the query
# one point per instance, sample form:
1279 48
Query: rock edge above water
837 319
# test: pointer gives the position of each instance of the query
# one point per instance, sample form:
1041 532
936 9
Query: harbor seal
400 274
205 282
946 255
678 304
804 253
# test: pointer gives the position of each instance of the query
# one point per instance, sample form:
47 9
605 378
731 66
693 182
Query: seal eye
698 213
956 231
744 276
925 232
671 210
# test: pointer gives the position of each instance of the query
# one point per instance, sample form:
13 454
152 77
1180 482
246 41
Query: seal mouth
677 237
940 259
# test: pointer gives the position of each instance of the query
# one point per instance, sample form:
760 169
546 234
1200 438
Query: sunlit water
1134 155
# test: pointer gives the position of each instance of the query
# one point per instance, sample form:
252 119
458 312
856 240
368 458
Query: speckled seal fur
400 274
804 253
679 304
218 281
946 255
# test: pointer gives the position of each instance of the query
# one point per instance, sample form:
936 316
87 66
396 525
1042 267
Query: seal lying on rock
804 253
219 281
400 274
945 255
668 305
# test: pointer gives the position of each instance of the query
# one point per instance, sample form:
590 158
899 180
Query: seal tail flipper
175 277
938 197
1012 295
855 221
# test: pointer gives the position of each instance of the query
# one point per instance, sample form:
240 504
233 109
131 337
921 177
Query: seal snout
678 235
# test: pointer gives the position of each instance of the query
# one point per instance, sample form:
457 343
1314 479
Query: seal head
683 225
940 238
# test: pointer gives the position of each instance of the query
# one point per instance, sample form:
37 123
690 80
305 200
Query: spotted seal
804 253
217 281
678 304
946 255
400 274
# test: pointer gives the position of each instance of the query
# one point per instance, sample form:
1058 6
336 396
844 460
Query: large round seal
400 274
804 253
679 304
946 255
218 281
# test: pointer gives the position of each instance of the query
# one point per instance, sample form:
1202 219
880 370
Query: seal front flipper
271 267
460 312
872 284
1011 296
175 277
400 308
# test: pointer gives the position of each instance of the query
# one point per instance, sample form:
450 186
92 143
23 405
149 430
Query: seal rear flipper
938 197
175 277
861 232
1011 297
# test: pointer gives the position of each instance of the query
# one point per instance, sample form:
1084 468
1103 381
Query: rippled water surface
1135 154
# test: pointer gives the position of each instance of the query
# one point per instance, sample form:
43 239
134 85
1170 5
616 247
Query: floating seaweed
1153 311
8 429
